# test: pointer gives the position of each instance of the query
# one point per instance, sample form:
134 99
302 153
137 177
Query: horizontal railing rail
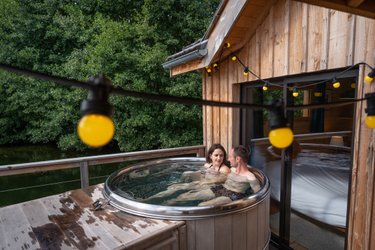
264 140
85 162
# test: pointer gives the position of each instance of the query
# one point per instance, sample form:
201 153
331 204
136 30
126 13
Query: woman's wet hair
212 149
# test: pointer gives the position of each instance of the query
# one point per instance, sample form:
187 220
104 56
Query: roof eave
184 58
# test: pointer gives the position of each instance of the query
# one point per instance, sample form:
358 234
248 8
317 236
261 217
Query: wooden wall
295 38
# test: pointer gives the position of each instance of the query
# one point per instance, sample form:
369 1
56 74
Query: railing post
84 170
201 152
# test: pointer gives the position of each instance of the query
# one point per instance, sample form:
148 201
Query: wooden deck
70 221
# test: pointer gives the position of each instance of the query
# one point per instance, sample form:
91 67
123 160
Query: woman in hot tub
215 169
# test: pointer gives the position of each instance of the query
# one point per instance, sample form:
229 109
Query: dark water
145 182
172 184
19 188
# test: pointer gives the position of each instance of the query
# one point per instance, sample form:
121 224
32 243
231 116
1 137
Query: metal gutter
184 57
197 49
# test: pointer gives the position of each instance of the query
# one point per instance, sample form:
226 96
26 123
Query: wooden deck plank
43 228
78 224
16 229
145 224
122 226
3 239
129 227
101 237
69 221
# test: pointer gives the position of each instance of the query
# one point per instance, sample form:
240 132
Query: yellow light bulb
318 94
370 121
336 85
209 70
295 94
245 73
227 45
368 79
352 85
234 58
96 130
281 137
265 88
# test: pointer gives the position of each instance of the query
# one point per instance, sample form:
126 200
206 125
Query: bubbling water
177 184
134 188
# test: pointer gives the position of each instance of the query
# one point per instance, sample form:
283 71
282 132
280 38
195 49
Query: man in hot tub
240 183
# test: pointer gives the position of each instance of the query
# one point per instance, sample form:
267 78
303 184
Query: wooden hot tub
241 224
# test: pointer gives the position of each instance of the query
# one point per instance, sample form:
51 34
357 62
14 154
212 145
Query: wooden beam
225 24
217 37
354 3
367 9
251 29
186 67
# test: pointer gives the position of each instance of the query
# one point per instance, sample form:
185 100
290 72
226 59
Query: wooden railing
323 135
85 162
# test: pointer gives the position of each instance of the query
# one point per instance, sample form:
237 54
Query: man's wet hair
242 152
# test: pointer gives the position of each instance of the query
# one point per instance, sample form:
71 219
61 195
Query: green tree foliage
126 40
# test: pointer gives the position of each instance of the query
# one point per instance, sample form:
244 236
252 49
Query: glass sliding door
310 179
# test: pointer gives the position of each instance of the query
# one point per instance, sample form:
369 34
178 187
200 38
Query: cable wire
49 184
168 98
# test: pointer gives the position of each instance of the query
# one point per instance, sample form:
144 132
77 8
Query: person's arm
224 169
254 182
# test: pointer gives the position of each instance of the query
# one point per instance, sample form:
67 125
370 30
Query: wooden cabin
295 43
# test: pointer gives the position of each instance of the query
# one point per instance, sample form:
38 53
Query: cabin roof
236 22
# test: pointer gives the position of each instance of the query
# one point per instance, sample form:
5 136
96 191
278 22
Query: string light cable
336 84
96 127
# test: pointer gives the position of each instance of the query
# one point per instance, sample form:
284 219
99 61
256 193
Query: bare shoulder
250 176
224 169
207 165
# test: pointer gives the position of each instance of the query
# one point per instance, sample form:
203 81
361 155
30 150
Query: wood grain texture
340 39
68 221
239 229
267 46
232 78
224 111
361 207
209 113
216 93
227 18
281 37
223 235
297 56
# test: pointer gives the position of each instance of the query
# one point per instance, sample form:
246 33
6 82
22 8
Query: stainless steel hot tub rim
181 212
